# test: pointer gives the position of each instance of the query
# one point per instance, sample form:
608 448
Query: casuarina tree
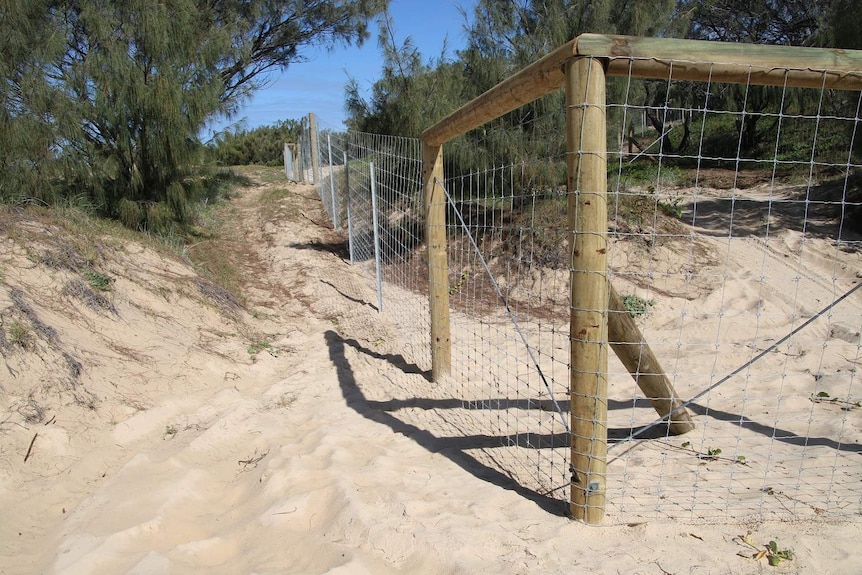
123 87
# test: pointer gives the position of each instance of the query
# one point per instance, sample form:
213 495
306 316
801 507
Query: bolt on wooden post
588 224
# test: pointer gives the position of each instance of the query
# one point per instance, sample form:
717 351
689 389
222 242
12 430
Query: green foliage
106 98
503 37
842 25
258 346
263 145
775 555
637 305
465 275
98 281
633 197
409 93
845 404
17 334
785 22
645 174
28 165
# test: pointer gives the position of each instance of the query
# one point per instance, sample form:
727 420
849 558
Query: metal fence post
347 198
374 222
335 222
315 155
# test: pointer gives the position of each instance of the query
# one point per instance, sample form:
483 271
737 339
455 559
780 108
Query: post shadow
453 448
778 434
773 432
336 248
349 298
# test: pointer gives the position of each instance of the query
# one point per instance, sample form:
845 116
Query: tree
262 145
137 80
506 36
781 22
409 94
26 140
841 26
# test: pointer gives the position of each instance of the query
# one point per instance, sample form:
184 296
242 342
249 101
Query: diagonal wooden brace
634 352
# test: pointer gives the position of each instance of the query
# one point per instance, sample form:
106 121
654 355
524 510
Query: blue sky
318 85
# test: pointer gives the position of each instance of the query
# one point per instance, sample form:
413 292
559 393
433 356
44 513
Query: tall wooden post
315 153
438 267
588 224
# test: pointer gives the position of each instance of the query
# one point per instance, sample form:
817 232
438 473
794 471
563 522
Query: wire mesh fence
291 171
734 244
510 322
518 431
730 219
370 187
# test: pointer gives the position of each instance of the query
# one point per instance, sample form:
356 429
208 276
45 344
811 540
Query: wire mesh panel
394 246
303 153
508 292
290 167
733 241
331 188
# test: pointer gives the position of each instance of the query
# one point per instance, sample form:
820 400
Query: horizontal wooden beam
531 83
660 59
699 60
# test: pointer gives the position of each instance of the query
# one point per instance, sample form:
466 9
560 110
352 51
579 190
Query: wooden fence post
588 224
438 267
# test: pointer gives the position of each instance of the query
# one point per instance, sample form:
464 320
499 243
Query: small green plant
170 431
673 207
18 334
846 404
98 281
712 454
285 400
773 554
636 305
257 346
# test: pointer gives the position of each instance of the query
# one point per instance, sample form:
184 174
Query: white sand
176 451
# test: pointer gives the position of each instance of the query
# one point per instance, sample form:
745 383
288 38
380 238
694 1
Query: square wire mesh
732 215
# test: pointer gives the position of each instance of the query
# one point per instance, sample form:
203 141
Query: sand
175 433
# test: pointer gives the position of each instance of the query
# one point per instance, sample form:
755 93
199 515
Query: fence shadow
776 433
338 248
454 449
349 298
